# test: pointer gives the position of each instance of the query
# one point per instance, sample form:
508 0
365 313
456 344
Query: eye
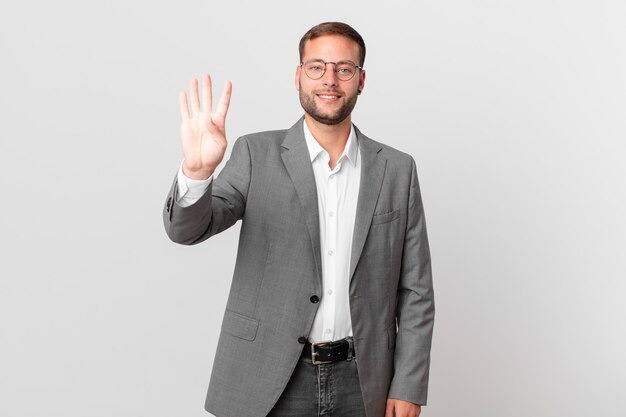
315 66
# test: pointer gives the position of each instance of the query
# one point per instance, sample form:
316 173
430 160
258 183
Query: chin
330 120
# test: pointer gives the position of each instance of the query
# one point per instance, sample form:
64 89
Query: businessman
331 304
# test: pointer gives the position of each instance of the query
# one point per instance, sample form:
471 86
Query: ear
297 79
361 81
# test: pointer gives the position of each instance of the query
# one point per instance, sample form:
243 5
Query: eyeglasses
316 68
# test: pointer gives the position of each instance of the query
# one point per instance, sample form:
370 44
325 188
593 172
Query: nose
330 76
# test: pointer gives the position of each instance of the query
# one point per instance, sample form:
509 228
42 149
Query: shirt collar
350 150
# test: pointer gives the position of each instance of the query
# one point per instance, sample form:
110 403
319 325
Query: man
331 305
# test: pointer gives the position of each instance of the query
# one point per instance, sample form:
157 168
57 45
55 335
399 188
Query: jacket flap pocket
239 325
386 217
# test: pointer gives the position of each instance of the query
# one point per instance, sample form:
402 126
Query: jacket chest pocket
386 217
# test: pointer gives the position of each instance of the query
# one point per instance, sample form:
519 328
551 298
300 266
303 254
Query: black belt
328 352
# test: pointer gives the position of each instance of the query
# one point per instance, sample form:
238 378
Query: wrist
197 174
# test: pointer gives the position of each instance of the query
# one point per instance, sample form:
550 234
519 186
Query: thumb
390 408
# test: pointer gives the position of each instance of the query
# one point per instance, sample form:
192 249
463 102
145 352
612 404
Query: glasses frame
335 69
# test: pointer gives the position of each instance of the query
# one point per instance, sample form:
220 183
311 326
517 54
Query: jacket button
302 340
314 299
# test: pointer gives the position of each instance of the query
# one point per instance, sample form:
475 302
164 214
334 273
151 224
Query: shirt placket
331 255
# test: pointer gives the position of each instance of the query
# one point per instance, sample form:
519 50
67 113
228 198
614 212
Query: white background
514 110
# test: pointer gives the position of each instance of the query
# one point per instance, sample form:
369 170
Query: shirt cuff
189 190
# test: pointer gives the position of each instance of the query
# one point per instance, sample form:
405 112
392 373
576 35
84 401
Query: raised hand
202 132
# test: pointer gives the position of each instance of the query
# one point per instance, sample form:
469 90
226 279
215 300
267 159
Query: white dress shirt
337 194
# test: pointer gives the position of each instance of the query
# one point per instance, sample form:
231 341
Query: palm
203 132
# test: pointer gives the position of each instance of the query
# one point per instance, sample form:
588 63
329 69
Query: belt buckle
314 353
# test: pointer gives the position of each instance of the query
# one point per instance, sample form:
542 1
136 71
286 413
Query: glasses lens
345 70
314 69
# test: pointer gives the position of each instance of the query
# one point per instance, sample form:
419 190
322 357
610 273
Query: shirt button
331 213
330 253
328 330
330 292
314 299
302 340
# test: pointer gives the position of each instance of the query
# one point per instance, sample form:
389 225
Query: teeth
328 96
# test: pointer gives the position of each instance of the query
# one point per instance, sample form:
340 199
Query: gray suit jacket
268 183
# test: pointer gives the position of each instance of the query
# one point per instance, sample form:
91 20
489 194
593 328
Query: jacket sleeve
220 207
415 307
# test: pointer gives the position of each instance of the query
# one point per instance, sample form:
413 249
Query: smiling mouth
328 97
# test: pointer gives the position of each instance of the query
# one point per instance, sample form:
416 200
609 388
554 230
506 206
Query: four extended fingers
207 99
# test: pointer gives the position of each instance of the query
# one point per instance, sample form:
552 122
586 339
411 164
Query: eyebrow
343 61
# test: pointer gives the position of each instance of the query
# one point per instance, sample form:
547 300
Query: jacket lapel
372 174
297 160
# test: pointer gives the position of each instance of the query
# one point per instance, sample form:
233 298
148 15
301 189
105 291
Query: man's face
329 100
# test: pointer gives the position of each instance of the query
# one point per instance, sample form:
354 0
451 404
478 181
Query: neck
332 138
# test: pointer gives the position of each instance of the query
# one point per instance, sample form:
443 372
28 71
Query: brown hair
334 28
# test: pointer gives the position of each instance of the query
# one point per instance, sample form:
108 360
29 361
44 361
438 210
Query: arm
415 309
203 140
218 208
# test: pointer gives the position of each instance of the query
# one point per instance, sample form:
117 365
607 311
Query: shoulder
259 146
394 157
265 138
